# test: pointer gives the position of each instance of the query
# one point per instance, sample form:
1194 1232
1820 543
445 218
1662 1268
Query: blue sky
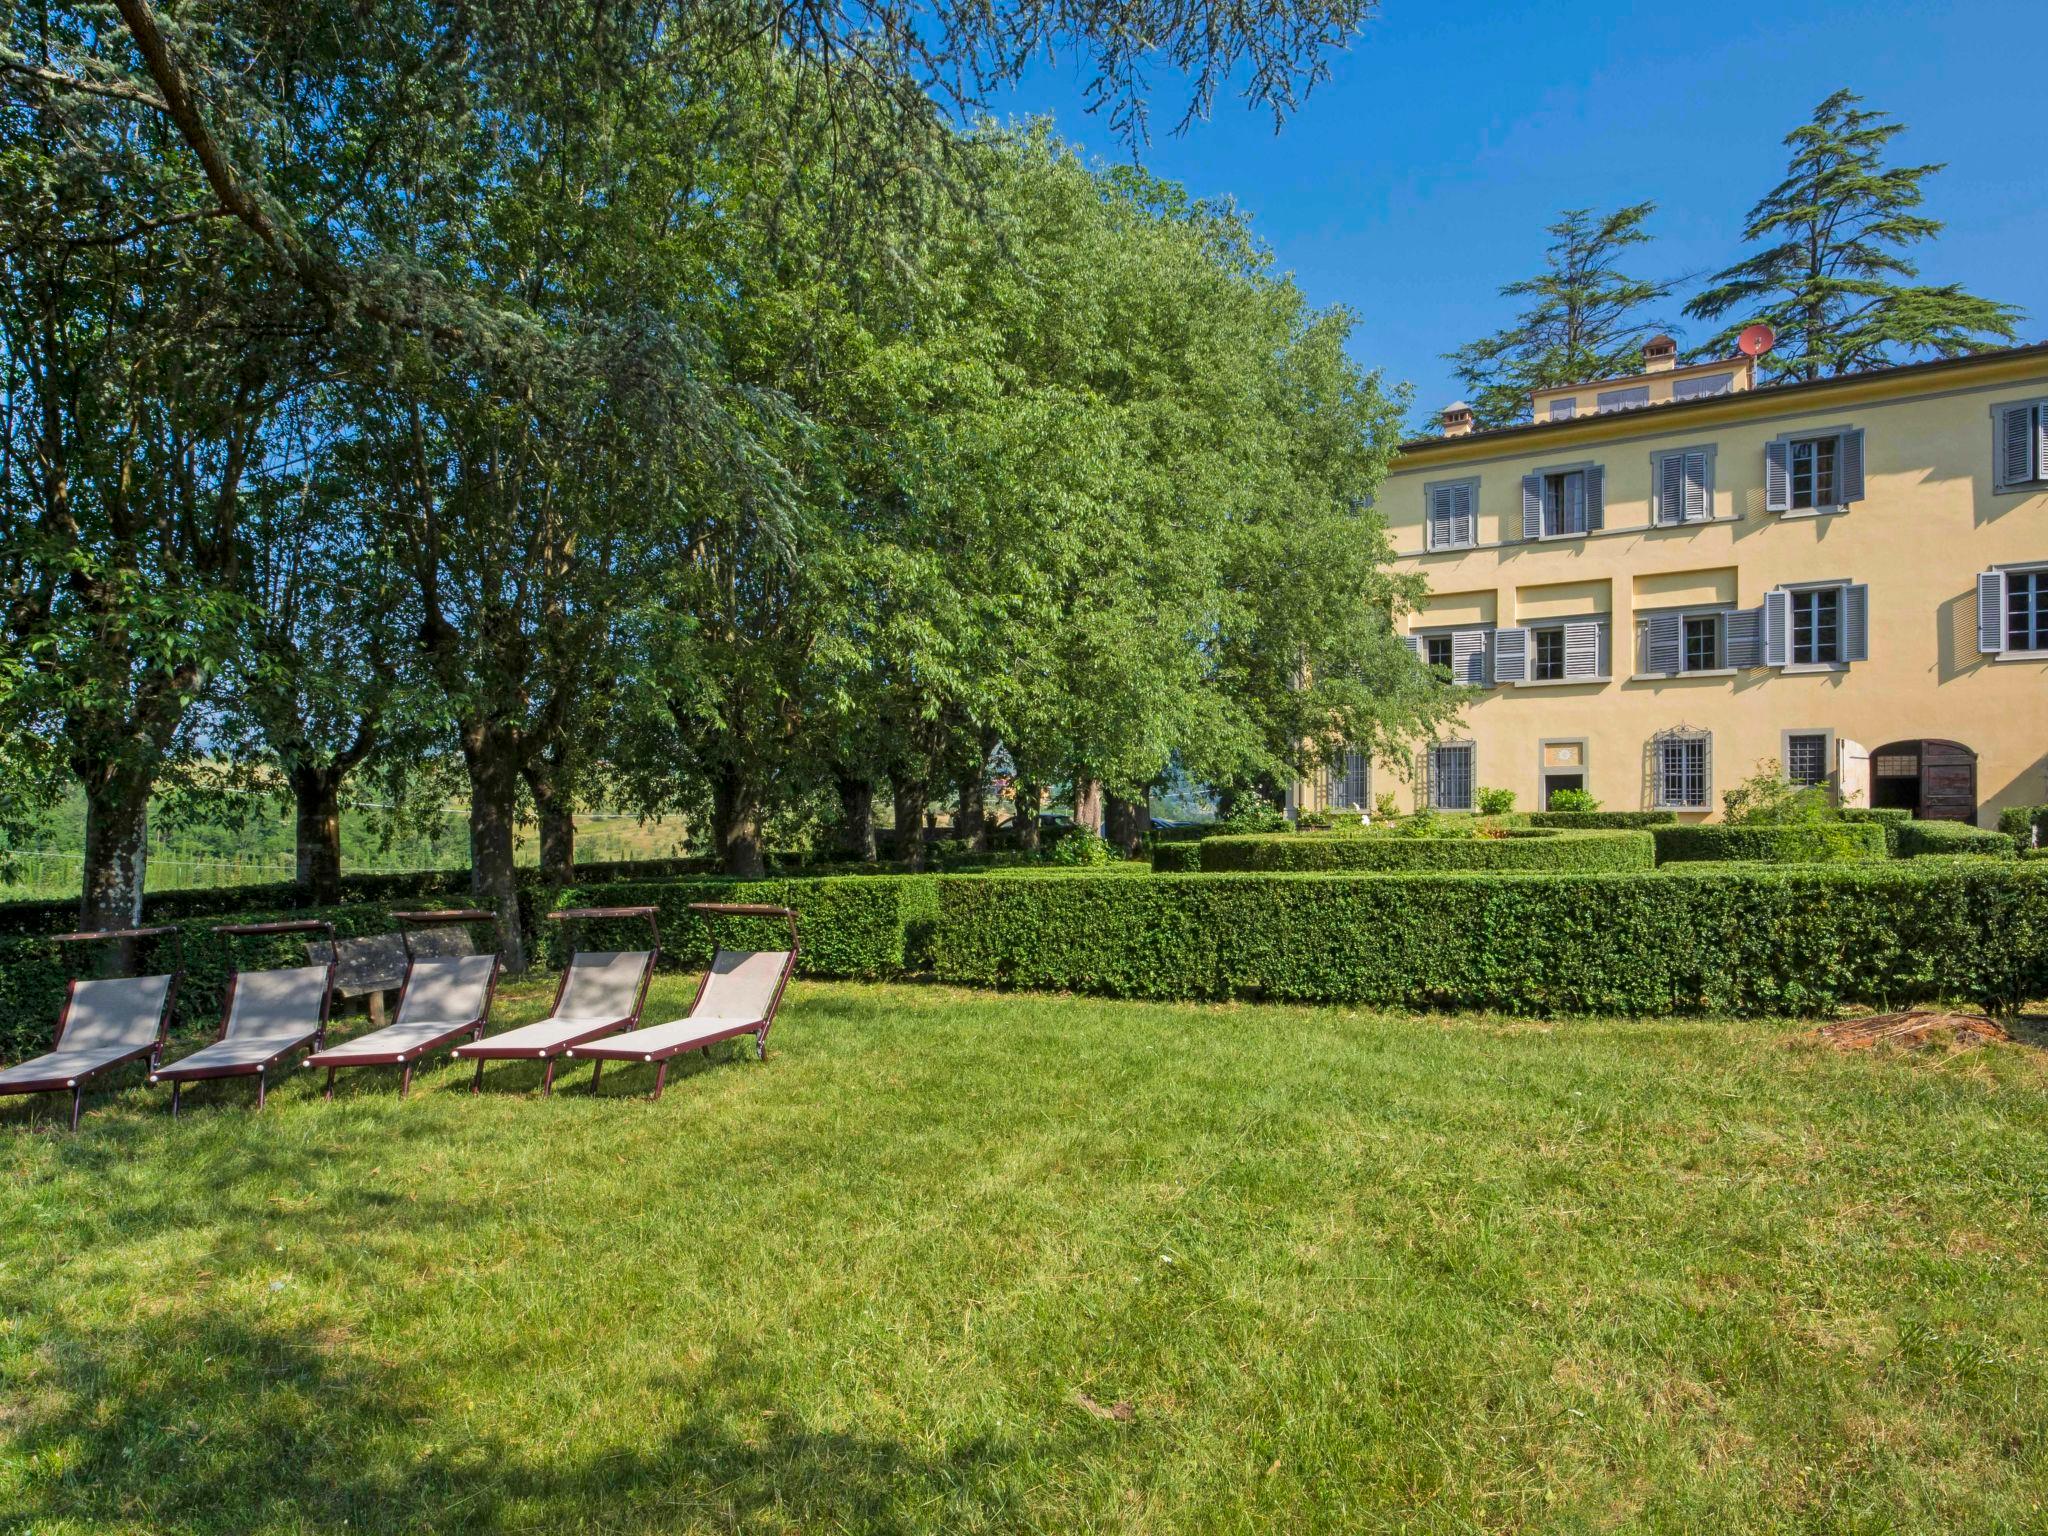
1419 177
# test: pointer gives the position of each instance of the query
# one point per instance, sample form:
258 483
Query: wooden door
1948 782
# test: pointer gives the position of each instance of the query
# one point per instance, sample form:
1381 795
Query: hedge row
1918 838
1596 821
1891 820
2026 825
1176 858
1821 842
1520 848
1760 940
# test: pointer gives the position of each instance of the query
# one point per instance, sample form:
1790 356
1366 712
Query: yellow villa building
1663 581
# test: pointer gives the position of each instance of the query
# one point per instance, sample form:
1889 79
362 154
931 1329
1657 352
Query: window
1564 503
1622 399
1450 776
1813 473
1702 642
1682 486
1453 520
1806 757
2026 610
1817 627
1682 778
1349 786
2022 445
1546 665
1702 384
1565 409
1436 650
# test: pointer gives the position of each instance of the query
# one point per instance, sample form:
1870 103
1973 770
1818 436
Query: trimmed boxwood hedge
1882 816
1755 940
1595 821
1518 848
2026 825
1817 842
1927 837
1176 858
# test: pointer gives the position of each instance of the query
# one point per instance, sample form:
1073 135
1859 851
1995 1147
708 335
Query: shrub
2026 825
1887 818
1825 842
1917 838
1386 806
1757 940
1588 821
1494 802
1079 846
1768 798
1572 800
1519 848
1176 858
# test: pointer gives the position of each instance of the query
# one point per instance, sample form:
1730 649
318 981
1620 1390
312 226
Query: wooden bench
372 966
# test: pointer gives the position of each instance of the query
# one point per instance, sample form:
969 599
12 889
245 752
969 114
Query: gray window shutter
1440 517
1582 649
1777 477
2040 464
1510 655
1670 488
1707 770
1414 644
1990 612
1596 497
1849 467
1532 506
1461 516
1777 628
1699 500
1856 622
1468 657
1742 637
2016 444
1663 643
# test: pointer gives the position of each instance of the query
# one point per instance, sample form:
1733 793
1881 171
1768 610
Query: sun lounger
601 992
440 998
267 1015
105 1023
738 996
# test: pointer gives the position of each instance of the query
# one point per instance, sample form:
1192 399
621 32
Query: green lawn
1351 1272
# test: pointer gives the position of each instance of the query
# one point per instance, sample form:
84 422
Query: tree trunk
970 823
316 797
1088 804
1030 799
493 829
856 818
557 824
912 796
1125 823
116 847
736 824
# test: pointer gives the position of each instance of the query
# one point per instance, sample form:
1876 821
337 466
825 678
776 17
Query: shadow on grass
210 1424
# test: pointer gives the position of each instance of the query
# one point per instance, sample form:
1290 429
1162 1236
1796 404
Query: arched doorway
1935 780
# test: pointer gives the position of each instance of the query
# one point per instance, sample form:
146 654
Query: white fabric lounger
106 1021
601 992
443 998
270 1015
738 996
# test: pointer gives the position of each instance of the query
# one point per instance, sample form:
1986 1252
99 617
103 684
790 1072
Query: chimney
1660 355
1457 419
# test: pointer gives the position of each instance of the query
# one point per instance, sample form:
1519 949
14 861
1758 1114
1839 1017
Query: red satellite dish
1756 340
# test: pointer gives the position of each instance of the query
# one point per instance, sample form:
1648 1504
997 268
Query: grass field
1349 1272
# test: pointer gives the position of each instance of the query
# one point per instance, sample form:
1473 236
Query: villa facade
1664 581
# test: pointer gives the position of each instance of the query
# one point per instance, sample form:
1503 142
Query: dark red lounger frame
260 1069
154 1050
410 1058
481 1051
758 1028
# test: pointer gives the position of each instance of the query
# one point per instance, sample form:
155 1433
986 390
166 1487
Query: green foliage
1585 318
1748 940
1891 820
1176 858
1512 849
2026 825
1574 800
1821 842
1386 806
1919 838
1494 802
1594 819
1830 278
1078 847
1768 798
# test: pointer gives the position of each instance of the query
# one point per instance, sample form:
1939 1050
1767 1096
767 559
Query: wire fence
43 875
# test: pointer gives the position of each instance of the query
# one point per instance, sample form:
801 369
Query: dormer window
1564 409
